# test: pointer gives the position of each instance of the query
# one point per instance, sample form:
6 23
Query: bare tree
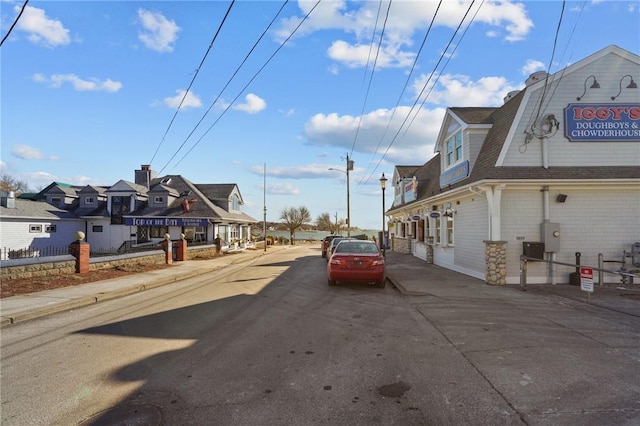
294 218
9 183
324 223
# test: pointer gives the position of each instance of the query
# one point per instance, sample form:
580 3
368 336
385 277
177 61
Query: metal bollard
523 273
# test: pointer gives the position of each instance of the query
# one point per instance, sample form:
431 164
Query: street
262 343
266 341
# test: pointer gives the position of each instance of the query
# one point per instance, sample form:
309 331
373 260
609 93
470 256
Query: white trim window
35 228
158 200
436 231
50 228
454 149
89 200
450 232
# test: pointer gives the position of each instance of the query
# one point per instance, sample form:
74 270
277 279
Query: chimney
145 175
8 199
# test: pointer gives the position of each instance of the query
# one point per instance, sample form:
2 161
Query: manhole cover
126 415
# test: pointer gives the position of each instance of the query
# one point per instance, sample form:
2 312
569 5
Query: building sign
602 122
165 221
410 189
454 174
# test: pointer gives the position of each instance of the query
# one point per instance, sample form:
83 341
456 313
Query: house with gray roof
133 214
34 226
552 172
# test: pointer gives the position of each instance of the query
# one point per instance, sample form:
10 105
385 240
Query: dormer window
454 149
235 203
89 200
56 201
158 200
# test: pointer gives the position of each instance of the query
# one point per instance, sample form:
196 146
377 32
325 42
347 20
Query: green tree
294 218
9 183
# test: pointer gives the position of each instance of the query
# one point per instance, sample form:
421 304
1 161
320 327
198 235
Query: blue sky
91 90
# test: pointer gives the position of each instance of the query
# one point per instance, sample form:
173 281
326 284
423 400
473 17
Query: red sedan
356 260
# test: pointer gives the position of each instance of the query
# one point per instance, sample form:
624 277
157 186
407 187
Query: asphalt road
262 343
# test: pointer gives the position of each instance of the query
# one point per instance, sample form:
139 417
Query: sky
275 92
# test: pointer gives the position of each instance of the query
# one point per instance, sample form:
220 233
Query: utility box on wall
533 250
550 235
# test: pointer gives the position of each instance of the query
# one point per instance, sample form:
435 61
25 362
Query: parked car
357 260
325 243
334 242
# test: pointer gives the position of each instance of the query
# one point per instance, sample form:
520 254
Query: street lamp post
383 185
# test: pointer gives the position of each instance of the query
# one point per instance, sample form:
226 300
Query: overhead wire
15 22
546 81
228 83
393 140
248 83
373 69
195 75
406 83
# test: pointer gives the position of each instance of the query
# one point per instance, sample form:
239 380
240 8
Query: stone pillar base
496 262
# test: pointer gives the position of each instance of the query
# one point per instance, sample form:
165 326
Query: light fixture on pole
594 85
632 85
383 240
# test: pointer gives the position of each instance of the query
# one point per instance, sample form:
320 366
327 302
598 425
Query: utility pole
264 220
349 167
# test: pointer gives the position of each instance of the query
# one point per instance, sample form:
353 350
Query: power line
193 79
406 83
373 69
14 22
424 87
226 85
248 83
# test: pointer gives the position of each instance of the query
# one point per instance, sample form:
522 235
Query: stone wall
66 264
46 266
401 245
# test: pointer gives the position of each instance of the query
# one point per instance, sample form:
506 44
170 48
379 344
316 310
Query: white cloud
359 55
461 91
41 29
80 85
532 66
26 152
282 188
158 33
406 18
190 101
377 135
253 104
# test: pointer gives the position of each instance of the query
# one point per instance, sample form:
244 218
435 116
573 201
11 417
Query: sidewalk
413 276
25 307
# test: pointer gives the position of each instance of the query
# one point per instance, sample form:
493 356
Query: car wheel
382 284
331 283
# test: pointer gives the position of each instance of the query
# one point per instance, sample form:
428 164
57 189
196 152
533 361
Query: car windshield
356 247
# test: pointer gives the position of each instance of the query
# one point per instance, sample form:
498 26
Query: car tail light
377 262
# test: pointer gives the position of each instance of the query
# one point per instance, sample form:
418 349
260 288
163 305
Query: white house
552 172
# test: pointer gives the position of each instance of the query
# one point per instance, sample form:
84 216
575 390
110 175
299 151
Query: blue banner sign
454 174
165 221
602 122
